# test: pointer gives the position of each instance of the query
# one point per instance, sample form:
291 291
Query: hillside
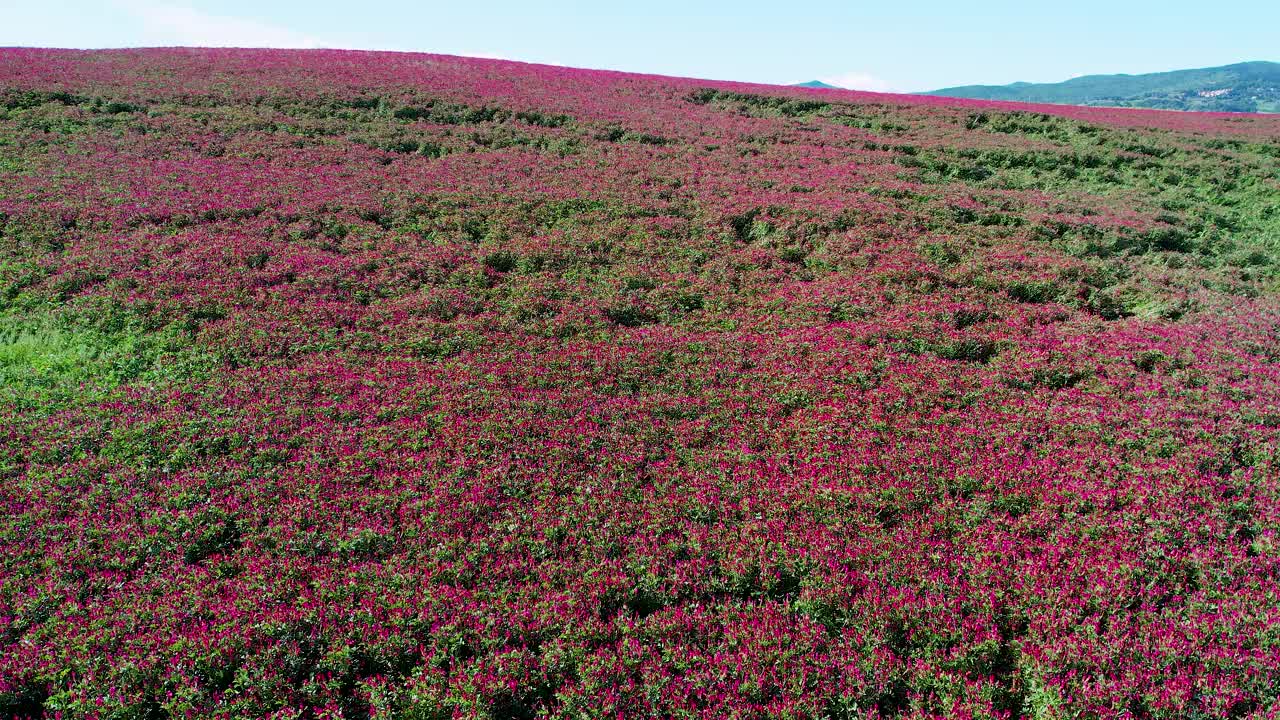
1244 87
391 385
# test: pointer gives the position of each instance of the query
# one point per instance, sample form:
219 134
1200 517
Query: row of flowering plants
381 385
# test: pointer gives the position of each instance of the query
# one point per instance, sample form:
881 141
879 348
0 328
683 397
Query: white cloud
858 81
172 24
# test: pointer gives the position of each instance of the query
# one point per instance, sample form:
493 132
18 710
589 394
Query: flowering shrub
368 385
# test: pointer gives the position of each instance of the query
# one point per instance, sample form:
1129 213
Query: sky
888 46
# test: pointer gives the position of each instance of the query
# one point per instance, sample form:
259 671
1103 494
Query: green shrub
1150 360
501 261
968 350
214 535
1033 291
630 315
792 254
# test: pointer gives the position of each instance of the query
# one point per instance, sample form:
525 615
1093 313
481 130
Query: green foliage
967 350
212 534
49 357
533 117
501 261
792 254
447 113
630 315
15 99
941 254
757 105
1034 291
794 399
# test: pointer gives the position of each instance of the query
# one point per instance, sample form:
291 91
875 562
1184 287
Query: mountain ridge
1241 87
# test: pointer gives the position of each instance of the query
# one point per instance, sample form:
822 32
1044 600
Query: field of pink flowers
380 385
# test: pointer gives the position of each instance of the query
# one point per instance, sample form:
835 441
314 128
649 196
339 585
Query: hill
1244 87
816 84
392 385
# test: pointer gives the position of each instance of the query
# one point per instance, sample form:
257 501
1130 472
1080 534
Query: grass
51 359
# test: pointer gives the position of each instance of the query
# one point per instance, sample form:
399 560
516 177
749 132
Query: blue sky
897 46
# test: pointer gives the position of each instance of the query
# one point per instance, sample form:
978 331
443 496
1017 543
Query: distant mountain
817 84
1244 87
